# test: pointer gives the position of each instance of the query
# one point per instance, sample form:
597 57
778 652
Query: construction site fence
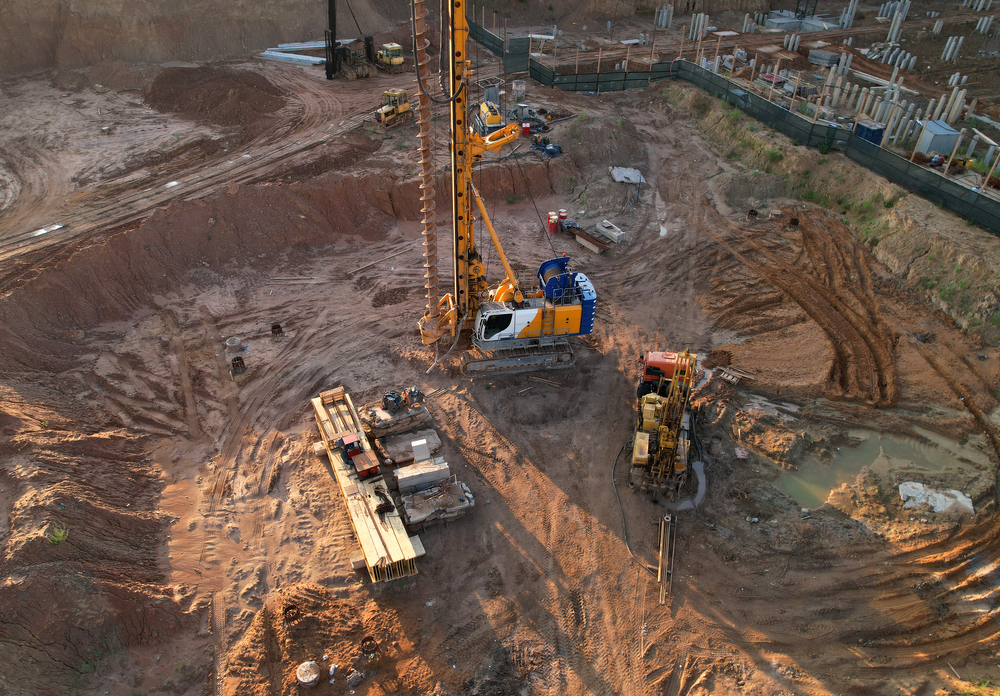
927 183
954 197
485 37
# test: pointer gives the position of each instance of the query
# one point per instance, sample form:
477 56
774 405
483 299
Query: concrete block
417 477
421 451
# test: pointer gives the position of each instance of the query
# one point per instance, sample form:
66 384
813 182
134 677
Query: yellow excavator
513 328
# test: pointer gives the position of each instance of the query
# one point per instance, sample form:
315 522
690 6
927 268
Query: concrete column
896 114
940 108
905 122
972 146
951 102
956 110
862 100
958 48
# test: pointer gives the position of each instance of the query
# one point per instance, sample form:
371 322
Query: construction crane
513 328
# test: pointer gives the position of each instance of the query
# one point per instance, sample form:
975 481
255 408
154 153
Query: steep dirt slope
68 34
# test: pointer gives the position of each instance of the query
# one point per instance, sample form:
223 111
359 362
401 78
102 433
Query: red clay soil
212 94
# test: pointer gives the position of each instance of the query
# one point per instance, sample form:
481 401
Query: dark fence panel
516 58
485 37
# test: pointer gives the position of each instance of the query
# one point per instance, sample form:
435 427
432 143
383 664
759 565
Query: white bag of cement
915 494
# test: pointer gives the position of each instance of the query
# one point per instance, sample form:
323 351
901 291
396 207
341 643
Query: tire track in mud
113 206
886 613
591 634
829 279
180 355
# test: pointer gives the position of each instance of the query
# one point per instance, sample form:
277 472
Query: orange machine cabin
656 365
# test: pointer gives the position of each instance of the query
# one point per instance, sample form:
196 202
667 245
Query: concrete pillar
956 110
905 122
947 48
972 146
958 48
895 116
862 100
940 107
951 102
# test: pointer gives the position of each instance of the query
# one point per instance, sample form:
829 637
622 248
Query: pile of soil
213 94
308 622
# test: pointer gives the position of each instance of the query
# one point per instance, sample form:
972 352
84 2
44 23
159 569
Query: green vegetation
774 156
825 149
874 232
57 533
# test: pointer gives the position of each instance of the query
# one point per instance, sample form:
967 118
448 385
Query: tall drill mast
442 315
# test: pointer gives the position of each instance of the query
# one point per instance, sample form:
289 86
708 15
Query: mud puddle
891 455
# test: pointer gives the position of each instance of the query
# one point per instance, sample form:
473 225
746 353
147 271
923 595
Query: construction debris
625 175
447 501
611 231
916 494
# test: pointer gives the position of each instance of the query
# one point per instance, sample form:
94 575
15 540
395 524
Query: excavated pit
164 515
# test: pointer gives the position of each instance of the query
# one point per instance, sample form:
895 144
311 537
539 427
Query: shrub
57 534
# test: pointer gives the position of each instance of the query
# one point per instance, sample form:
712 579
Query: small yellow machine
390 57
395 108
488 119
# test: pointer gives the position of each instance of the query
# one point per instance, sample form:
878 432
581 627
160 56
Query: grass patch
817 197
57 533
774 156
948 291
874 232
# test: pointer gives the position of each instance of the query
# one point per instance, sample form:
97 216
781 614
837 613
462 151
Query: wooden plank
387 548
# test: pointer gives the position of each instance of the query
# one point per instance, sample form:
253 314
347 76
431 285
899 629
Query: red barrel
563 214
553 222
525 129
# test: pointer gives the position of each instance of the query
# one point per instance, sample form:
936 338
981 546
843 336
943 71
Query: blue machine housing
563 286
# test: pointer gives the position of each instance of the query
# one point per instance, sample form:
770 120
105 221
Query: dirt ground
161 518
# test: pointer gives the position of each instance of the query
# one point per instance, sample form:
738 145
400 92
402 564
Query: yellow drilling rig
513 328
